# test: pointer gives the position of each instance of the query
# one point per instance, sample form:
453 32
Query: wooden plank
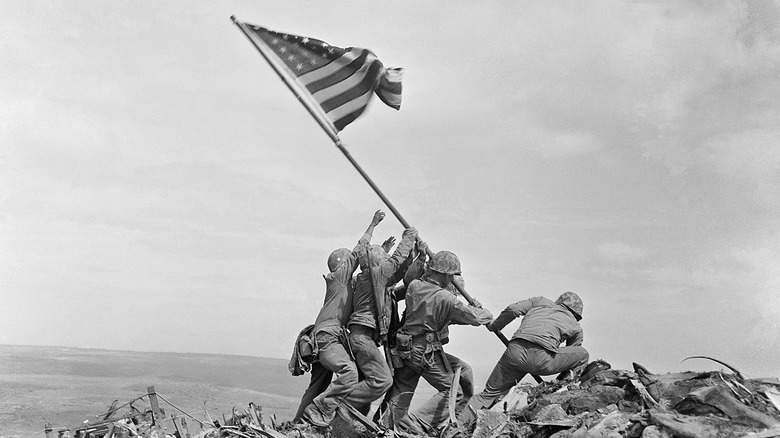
184 426
157 416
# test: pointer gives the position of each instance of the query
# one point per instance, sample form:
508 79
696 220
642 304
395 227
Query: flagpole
403 221
326 126
333 134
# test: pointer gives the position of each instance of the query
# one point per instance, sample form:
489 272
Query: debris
514 400
736 371
602 403
718 399
682 427
774 396
489 422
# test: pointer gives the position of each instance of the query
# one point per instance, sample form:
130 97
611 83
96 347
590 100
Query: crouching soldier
334 358
430 308
535 348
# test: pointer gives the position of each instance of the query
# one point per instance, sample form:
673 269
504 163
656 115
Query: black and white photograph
270 219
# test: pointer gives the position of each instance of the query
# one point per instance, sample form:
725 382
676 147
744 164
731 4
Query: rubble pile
616 403
601 403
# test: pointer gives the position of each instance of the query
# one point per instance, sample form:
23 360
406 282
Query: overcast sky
162 190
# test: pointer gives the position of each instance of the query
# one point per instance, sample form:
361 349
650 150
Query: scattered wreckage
601 403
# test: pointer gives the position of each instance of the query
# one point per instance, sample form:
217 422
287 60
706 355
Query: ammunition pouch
395 358
403 345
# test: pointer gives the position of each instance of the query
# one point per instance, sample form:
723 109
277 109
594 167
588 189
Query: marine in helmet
430 309
378 270
535 348
321 399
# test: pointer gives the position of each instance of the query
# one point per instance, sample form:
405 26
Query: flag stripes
340 81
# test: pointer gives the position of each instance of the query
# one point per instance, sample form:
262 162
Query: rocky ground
602 402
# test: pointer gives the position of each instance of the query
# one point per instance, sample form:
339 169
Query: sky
162 190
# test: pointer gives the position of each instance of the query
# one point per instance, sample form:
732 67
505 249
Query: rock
514 400
654 432
488 423
683 427
720 399
614 423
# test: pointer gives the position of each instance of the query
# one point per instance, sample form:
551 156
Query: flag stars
291 58
305 40
299 67
282 49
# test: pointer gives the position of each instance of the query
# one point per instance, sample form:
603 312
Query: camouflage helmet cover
337 257
571 301
445 262
377 254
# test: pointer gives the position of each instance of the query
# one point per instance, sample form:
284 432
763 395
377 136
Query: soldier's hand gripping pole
471 301
403 221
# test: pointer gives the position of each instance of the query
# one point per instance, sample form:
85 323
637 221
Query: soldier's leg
333 356
320 379
438 376
401 394
567 358
425 413
377 375
510 369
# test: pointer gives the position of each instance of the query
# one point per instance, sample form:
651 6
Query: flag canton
300 54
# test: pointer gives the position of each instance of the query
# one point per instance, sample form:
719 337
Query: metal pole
328 128
334 136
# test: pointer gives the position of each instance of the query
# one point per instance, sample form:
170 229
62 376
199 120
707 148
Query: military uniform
429 311
364 333
334 374
534 348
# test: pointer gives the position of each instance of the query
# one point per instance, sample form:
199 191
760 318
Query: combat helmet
337 257
571 301
445 262
375 252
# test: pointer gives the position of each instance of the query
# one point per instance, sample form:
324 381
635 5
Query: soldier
331 338
370 317
535 346
430 309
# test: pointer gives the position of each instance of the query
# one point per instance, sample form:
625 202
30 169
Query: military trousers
430 366
320 380
377 377
522 357
332 355
430 414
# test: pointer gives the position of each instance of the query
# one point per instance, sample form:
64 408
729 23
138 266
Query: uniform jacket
363 303
339 291
430 308
544 323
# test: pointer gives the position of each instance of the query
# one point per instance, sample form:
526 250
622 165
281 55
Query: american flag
341 81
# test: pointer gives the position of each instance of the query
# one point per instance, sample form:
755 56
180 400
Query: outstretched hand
387 245
378 216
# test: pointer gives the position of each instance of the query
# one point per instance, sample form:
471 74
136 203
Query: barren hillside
65 386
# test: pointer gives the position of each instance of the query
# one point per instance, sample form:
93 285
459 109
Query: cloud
570 144
620 253
750 158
